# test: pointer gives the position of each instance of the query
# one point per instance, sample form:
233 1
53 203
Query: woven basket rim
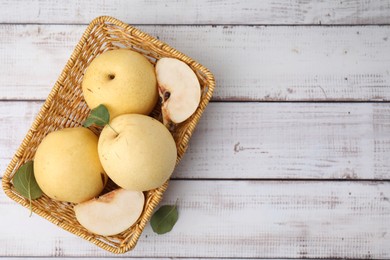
6 180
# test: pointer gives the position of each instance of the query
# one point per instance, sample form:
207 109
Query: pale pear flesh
111 213
178 88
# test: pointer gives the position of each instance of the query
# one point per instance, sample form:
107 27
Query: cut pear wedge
178 88
111 213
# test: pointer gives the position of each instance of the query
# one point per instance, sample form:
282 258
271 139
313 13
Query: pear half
111 213
178 88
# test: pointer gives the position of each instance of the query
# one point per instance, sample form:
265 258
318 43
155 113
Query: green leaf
25 183
164 219
99 116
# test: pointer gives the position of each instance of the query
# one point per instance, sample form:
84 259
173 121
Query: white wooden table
292 157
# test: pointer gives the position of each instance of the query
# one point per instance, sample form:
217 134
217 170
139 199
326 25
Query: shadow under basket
65 107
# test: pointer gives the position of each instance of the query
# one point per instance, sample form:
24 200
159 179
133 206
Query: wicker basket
65 107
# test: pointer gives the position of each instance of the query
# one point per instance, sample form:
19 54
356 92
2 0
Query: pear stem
29 198
113 129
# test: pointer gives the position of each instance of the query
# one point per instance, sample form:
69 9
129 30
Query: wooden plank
137 258
113 257
263 140
127 256
195 12
250 63
262 219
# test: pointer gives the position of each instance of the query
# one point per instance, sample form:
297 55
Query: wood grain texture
263 140
199 12
140 258
236 219
250 63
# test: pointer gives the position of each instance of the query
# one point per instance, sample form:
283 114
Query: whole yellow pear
67 166
140 155
122 80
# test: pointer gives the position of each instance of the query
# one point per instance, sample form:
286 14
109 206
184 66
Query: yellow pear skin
142 156
67 166
122 80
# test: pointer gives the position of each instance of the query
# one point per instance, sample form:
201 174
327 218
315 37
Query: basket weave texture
65 107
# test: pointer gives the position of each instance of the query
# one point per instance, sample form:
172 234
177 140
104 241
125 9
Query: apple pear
123 80
67 166
178 88
140 154
111 213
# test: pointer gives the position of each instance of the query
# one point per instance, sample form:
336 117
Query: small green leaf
25 183
99 116
164 219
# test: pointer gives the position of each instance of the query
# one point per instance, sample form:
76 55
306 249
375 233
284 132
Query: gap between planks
276 179
246 101
164 258
212 25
